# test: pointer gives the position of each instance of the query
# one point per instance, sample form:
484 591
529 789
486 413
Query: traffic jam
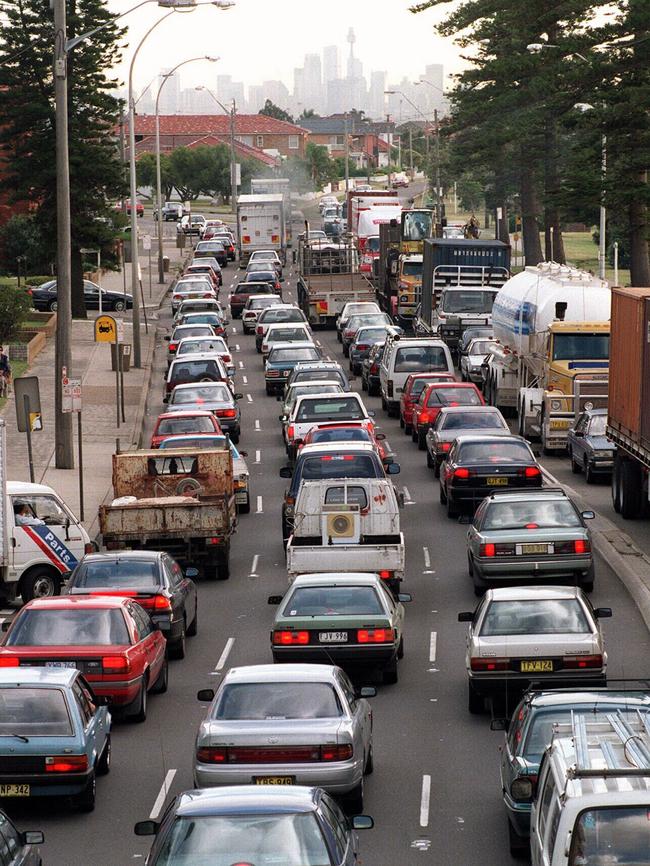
407 389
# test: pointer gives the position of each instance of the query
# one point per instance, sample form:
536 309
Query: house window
259 139
294 142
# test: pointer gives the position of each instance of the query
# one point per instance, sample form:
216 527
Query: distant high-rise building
170 97
277 92
376 97
255 98
227 90
313 82
330 64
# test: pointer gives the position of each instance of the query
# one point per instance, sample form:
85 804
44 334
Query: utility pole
347 153
233 159
64 455
438 190
411 150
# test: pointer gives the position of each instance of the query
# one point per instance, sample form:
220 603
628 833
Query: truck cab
409 287
461 307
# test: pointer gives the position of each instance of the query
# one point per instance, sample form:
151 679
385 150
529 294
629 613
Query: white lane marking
234 330
237 347
162 795
258 456
241 365
433 646
257 424
425 801
253 571
427 557
249 398
408 499
260 509
223 658
244 380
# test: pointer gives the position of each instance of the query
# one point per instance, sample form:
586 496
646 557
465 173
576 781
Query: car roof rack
643 684
623 745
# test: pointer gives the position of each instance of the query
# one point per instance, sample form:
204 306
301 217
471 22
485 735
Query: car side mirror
366 692
404 597
32 837
362 822
286 472
298 443
371 413
499 725
146 828
603 612
588 515
165 399
275 599
393 469
191 572
238 396
380 437
5 626
281 279
466 616
205 695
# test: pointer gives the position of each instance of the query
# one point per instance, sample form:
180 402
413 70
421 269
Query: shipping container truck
276 186
628 424
260 225
550 358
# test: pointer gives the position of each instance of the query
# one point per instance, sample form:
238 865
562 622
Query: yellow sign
105 329
35 422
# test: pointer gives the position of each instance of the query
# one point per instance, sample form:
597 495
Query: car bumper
507 567
120 693
601 465
518 815
52 785
503 682
344 656
229 424
474 495
338 778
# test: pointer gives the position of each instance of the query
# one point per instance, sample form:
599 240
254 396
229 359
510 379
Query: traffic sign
146 242
71 401
106 330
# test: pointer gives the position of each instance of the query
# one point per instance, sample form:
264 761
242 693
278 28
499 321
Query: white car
354 308
207 346
286 332
518 635
471 361
267 257
253 307
313 409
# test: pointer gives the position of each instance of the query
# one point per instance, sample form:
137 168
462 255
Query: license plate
560 424
14 790
274 780
333 636
537 666
495 481
60 664
534 548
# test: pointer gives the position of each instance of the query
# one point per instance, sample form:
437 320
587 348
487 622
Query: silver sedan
290 724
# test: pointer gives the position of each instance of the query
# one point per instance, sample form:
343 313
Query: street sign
106 330
27 387
120 330
146 242
71 395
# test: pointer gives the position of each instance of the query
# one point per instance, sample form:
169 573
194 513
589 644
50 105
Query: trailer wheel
631 490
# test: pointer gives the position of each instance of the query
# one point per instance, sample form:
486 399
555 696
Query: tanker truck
550 360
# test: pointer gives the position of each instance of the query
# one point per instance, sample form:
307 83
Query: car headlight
404 298
556 405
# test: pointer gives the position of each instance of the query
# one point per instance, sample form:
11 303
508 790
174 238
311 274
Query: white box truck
260 225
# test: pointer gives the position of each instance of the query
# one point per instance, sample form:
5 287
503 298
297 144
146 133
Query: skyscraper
170 98
312 82
376 97
330 64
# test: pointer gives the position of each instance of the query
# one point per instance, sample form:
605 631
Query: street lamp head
389 92
583 107
211 59
224 4
535 47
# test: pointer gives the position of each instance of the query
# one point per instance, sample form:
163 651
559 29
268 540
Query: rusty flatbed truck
178 500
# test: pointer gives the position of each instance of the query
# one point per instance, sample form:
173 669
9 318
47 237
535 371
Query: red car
111 640
349 431
139 207
434 398
413 387
195 423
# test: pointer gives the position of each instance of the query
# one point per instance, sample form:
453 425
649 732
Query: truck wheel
39 583
576 468
616 487
631 489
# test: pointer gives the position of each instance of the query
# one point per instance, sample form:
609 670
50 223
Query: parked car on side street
44 298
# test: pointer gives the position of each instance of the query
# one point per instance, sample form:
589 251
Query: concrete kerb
628 562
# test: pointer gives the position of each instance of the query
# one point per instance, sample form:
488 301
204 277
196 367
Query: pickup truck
178 500
347 525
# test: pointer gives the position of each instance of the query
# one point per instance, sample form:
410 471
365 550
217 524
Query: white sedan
472 360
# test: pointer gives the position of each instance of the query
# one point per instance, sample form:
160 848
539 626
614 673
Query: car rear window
176 426
202 345
260 303
192 331
350 494
535 616
474 420
340 465
188 370
341 434
304 354
273 700
530 514
260 275
68 627
272 316
317 375
334 601
206 318
280 335
33 712
246 289
330 410
420 359
117 572
494 452
453 397
370 334
202 394
419 385
192 443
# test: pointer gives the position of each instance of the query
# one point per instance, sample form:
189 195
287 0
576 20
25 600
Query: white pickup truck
40 538
347 525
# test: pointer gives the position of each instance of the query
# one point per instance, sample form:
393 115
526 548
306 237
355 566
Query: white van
593 797
40 541
404 356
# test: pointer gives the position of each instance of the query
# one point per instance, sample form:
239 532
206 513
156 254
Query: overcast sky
259 40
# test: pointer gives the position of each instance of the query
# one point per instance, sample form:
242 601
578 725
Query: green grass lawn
582 252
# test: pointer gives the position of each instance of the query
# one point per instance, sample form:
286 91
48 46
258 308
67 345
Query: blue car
55 735
529 733
247 824
590 451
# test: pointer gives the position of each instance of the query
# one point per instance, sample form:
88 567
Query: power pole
411 150
438 190
64 453
233 159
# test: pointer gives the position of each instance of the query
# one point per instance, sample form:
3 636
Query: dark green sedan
281 360
350 620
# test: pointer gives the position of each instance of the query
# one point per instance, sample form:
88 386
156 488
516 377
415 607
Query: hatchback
195 368
215 397
197 422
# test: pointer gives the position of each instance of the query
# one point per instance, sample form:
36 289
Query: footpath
100 433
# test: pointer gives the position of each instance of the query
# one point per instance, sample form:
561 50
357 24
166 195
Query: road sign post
72 403
109 330
146 246
28 412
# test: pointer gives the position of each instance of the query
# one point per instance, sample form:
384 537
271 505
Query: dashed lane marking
244 380
257 424
241 365
433 646
249 397
162 795
223 658
425 801
427 557
408 499
253 571
260 507
258 456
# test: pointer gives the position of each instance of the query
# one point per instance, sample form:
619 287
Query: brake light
496 664
210 755
226 358
173 347
423 417
227 413
259 330
66 764
362 347
213 540
488 550
288 638
446 446
374 368
336 753
207 294
531 526
155 602
581 662
115 664
386 575
375 635
581 546
461 472
532 472
291 432
9 662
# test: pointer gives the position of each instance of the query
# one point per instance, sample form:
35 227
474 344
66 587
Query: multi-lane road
435 792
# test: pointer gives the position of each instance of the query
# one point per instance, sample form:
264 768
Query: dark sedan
455 421
44 298
589 448
154 580
213 249
478 465
242 292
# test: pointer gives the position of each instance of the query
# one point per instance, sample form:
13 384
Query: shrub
14 310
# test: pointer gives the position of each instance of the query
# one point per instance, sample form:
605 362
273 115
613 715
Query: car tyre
631 488
443 495
370 764
430 461
119 306
85 801
576 468
401 421
616 487
589 472
436 468
422 440
103 765
39 583
140 715
160 686
400 648
235 436
53 306
452 509
269 392
470 564
176 650
519 845
223 566
389 673
587 582
475 703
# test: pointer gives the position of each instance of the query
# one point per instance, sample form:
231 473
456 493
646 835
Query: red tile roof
244 150
203 124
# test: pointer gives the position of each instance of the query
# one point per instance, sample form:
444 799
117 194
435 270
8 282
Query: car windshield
277 700
221 840
282 335
420 359
187 370
117 572
616 836
31 712
376 334
272 316
244 288
481 347
67 627
207 318
542 724
530 514
372 244
190 347
597 425
467 301
581 347
330 410
341 434
340 465
535 617
474 420
453 397
472 453
195 424
206 246
333 601
419 385
280 355
412 269
259 274
201 394
197 306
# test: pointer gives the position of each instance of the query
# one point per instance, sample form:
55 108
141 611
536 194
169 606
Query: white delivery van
405 355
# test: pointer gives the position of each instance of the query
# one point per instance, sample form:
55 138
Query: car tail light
532 472
487 549
155 602
336 753
226 413
273 754
446 446
362 347
66 764
386 575
461 472
9 662
226 359
259 330
495 664
211 755
424 418
289 638
213 540
291 432
581 546
374 368
115 664
173 347
531 526
272 374
375 635
581 662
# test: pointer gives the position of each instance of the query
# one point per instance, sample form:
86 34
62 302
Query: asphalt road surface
435 793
